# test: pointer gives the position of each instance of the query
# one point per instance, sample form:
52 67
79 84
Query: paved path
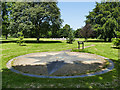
63 64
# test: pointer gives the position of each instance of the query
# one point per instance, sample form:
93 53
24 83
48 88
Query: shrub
20 40
116 41
70 37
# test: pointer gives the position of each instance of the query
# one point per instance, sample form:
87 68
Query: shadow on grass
23 45
116 47
117 67
31 41
96 41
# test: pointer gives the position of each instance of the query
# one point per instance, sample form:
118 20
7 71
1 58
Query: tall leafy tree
116 41
70 38
68 33
19 20
109 28
35 17
6 10
65 30
0 21
77 33
86 31
105 13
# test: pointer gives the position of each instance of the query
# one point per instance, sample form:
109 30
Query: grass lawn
12 80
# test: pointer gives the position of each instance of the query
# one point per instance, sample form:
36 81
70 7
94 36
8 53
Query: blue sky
73 13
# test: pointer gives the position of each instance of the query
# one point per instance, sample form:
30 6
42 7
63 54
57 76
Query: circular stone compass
62 64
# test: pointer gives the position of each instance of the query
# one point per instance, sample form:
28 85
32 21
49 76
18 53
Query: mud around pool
62 63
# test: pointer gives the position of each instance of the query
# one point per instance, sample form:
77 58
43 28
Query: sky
73 13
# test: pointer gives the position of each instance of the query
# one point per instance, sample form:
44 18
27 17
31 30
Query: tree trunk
6 36
85 39
109 39
37 39
70 41
38 33
105 39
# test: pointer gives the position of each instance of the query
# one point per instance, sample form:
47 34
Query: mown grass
12 80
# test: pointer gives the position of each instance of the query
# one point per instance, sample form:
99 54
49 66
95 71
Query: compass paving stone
58 63
54 66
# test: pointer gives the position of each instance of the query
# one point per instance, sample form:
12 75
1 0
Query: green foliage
6 10
116 41
67 32
105 19
86 31
20 40
77 33
110 28
70 39
36 19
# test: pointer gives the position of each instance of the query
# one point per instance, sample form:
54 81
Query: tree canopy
35 18
86 31
105 19
6 10
77 33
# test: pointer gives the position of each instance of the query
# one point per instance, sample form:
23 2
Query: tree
35 17
70 37
0 22
110 28
116 41
65 30
86 31
105 13
77 33
6 10
20 38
